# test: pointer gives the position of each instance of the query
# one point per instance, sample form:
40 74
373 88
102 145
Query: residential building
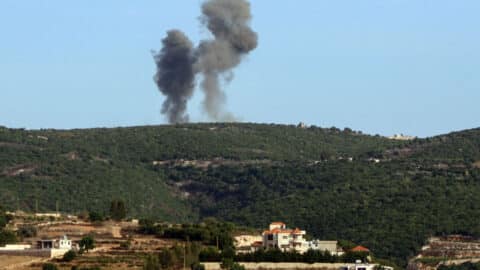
49 248
63 243
278 236
284 239
330 246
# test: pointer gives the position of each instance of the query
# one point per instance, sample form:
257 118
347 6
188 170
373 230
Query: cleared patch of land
16 262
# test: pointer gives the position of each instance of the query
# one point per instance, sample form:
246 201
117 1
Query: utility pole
184 257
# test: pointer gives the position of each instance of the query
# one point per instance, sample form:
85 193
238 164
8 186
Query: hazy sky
380 66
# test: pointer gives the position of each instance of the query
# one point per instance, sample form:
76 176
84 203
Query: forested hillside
338 184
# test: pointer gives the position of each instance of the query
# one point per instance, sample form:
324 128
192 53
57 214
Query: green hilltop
337 184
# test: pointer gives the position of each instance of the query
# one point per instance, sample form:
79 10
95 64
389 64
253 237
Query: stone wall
44 253
281 266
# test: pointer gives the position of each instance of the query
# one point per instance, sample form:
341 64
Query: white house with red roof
279 236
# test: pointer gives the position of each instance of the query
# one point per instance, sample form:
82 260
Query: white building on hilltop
401 137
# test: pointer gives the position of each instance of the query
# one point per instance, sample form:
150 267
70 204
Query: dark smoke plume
175 76
215 59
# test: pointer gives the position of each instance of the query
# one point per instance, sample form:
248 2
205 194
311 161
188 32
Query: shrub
197 266
27 231
95 216
7 237
69 256
49 266
151 263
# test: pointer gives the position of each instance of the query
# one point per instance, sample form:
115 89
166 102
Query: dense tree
7 237
118 210
87 243
27 231
94 216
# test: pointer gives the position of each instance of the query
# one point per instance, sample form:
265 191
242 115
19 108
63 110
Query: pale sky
380 66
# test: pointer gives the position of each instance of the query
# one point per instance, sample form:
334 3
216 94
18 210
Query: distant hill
338 184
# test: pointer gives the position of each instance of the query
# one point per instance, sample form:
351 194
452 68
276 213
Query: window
270 237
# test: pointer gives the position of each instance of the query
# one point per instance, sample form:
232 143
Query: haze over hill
338 184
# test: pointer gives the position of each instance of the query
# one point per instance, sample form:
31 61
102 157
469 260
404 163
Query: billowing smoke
178 62
175 76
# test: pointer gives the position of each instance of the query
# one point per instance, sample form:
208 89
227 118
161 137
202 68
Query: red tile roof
360 249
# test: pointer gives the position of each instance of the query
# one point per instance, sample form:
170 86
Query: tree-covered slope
388 195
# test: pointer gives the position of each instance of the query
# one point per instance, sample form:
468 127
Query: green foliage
49 266
118 211
168 258
210 254
69 256
391 207
276 255
382 263
197 266
3 218
27 231
147 226
351 257
176 256
87 243
7 237
151 263
346 244
210 232
257 173
94 216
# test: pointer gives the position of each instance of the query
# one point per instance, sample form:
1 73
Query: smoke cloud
214 60
175 76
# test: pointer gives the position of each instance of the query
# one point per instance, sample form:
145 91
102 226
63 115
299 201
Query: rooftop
360 249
